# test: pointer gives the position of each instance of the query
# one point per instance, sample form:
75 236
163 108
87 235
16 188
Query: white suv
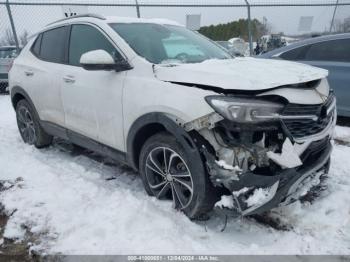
196 123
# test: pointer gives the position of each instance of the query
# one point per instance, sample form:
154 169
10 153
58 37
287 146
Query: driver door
92 100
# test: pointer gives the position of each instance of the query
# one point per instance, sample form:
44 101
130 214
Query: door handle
69 79
29 73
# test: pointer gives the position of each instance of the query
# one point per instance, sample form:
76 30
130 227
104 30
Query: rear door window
295 54
335 50
53 45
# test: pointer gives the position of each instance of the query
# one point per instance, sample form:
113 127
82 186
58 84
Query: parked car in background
228 47
234 50
239 45
329 52
7 55
196 123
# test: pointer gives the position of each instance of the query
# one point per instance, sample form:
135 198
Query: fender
169 125
17 90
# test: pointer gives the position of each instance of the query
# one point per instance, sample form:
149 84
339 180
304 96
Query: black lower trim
83 141
54 130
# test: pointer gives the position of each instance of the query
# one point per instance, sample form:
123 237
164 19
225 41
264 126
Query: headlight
245 110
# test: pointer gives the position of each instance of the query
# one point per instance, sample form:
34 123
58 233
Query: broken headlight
245 110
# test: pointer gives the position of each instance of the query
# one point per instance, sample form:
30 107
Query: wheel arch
151 124
17 94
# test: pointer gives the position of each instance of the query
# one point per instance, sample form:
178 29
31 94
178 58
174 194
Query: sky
281 19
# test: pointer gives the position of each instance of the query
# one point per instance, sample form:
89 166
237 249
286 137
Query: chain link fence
21 18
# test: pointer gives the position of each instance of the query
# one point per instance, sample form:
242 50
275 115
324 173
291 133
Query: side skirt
84 141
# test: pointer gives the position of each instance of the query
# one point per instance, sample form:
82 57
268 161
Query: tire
195 194
29 126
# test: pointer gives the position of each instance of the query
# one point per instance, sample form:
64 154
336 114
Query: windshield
164 44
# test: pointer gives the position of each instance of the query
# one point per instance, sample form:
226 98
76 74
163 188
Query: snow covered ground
69 201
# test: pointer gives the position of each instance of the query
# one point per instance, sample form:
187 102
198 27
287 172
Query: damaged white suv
196 123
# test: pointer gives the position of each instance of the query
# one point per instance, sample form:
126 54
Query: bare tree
8 38
342 26
23 38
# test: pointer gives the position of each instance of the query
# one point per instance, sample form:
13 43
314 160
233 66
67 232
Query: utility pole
250 36
335 10
12 24
137 9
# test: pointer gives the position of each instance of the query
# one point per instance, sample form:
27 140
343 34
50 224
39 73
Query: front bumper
279 189
254 193
291 180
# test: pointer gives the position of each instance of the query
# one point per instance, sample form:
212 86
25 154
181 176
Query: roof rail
77 16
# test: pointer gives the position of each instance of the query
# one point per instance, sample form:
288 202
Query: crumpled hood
241 73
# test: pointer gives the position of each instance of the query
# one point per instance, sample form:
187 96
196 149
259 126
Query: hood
246 73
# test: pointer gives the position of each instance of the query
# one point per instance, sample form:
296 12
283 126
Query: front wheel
167 173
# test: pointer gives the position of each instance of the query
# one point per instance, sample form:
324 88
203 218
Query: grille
306 127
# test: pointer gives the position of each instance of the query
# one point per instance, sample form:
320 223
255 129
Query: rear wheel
29 127
168 174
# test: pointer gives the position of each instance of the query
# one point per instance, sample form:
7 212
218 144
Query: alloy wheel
169 177
26 125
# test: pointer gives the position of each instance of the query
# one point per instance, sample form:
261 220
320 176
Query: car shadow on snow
214 218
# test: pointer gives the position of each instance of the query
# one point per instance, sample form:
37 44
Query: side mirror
101 60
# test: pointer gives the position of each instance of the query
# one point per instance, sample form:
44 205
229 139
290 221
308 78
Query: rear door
42 69
92 100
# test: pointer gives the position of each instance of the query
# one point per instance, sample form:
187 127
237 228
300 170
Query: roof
116 19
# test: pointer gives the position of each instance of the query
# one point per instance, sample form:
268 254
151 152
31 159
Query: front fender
169 125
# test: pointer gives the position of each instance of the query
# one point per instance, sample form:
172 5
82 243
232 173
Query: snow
224 165
289 157
14 230
342 133
258 197
225 201
240 192
69 201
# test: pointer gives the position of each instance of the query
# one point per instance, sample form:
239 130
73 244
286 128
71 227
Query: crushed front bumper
254 193
281 188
